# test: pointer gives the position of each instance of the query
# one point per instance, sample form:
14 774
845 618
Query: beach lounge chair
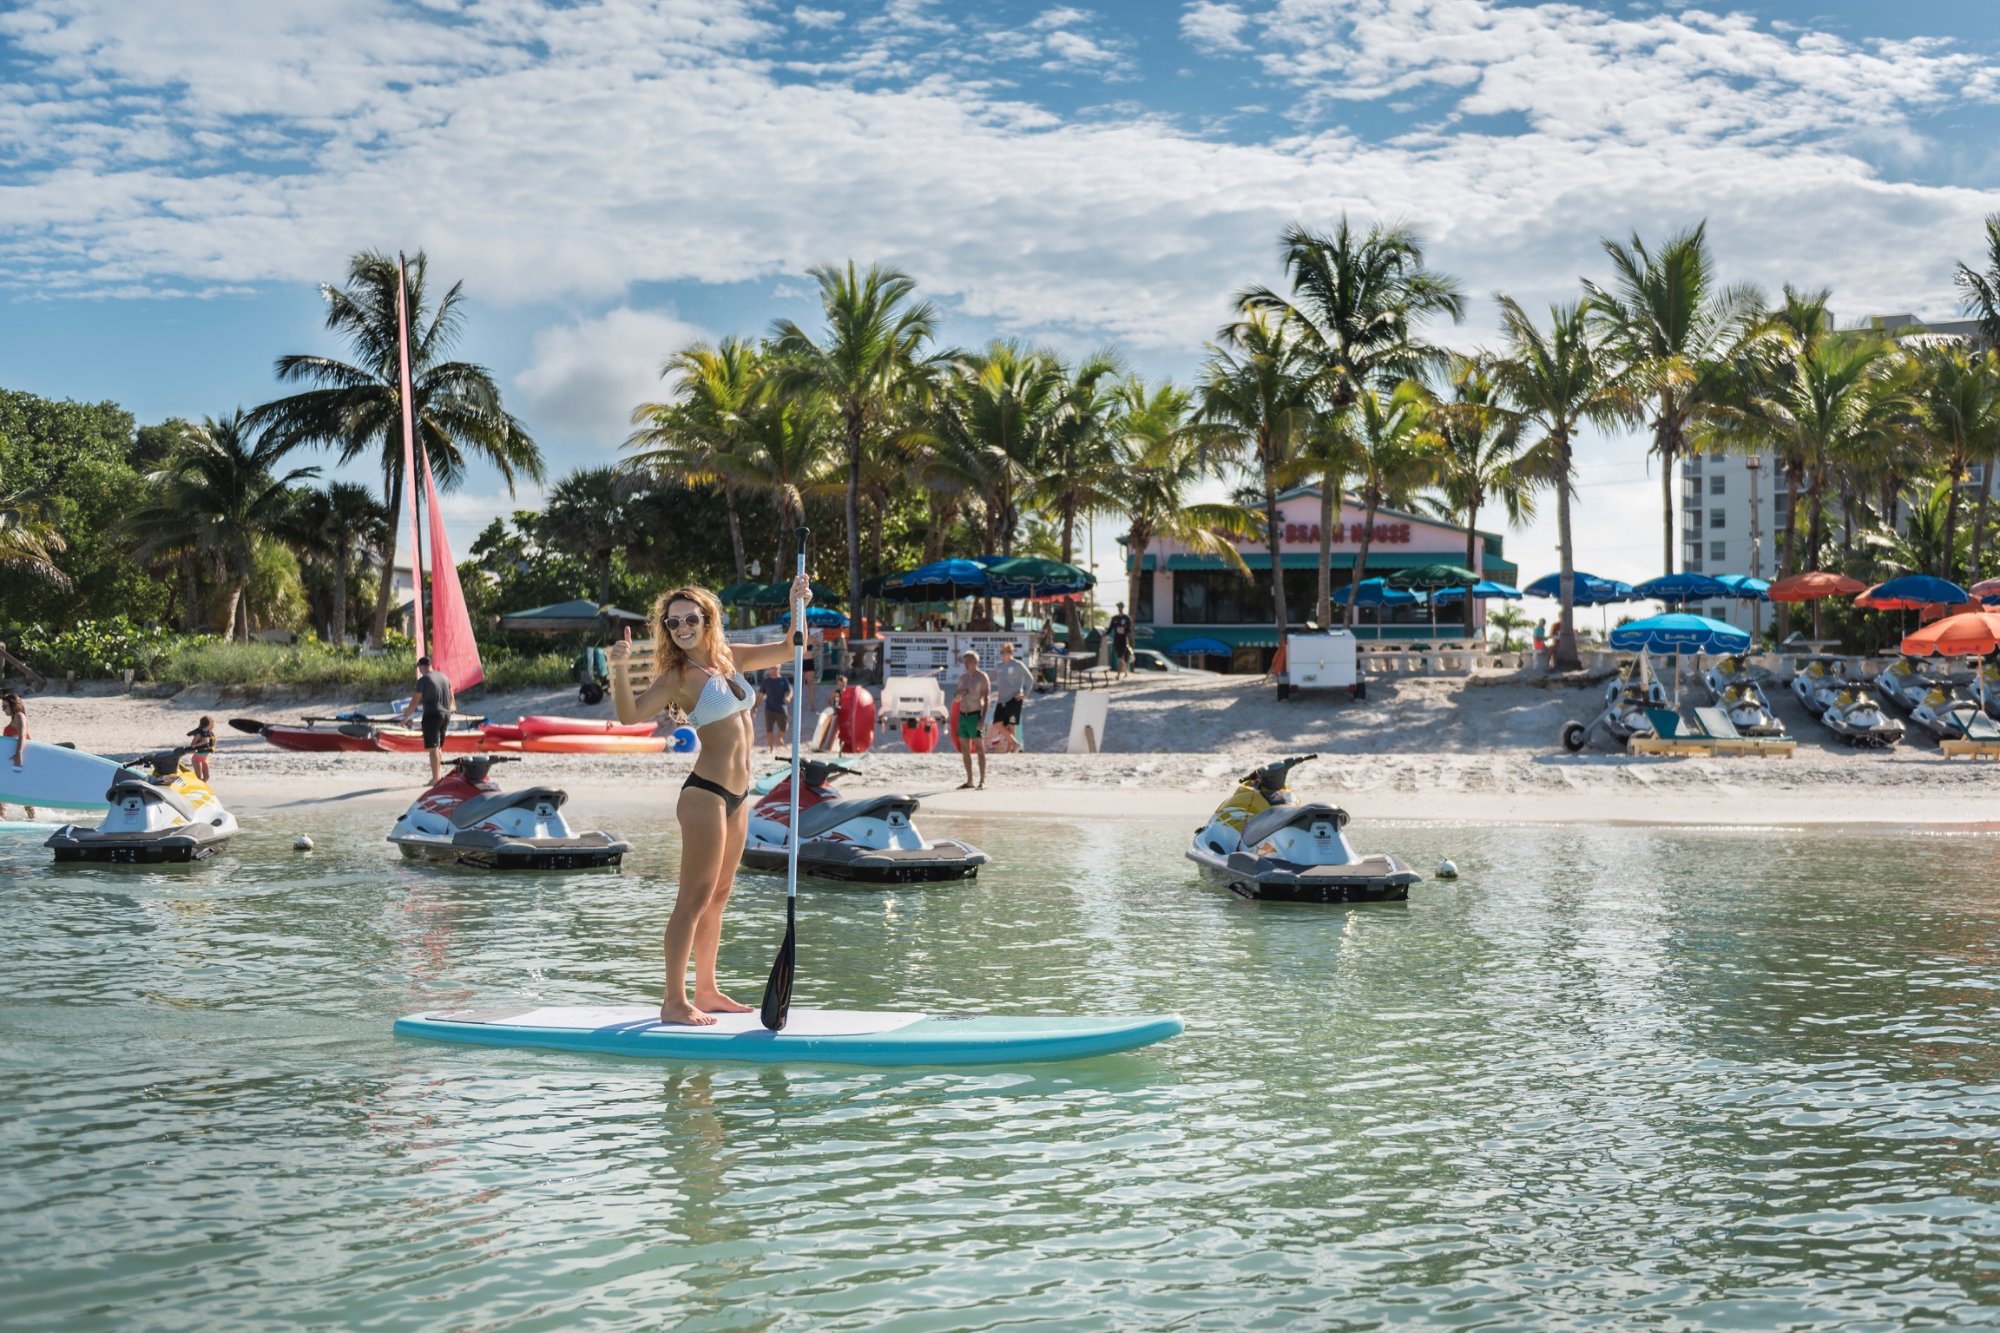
1978 738
1714 724
908 698
1671 736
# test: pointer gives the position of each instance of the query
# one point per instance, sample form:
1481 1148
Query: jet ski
164 815
1623 718
1904 684
465 819
868 839
1733 670
1819 682
1748 710
1635 674
1860 720
1260 844
1947 718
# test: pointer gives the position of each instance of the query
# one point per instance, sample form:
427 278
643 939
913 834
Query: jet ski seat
481 808
817 819
1266 822
146 791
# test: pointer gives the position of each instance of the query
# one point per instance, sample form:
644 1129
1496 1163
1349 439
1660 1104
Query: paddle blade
778 990
249 724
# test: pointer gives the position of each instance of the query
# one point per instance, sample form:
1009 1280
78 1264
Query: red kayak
352 736
533 726
501 731
594 744
405 740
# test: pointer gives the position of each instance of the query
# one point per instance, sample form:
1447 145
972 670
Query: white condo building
1733 505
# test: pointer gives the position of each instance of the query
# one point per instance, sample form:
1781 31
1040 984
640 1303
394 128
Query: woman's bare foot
682 1013
715 1002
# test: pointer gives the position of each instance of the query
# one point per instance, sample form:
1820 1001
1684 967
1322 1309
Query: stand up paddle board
824 1036
56 778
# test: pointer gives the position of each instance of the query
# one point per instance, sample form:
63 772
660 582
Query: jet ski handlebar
1274 775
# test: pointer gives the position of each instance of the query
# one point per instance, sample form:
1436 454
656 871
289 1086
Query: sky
613 179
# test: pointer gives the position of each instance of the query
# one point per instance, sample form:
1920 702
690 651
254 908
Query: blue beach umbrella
1679 632
1590 590
818 617
1913 592
1484 589
1199 648
946 579
1675 588
1375 592
1745 588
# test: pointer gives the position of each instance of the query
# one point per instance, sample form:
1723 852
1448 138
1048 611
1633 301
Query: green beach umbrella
1430 578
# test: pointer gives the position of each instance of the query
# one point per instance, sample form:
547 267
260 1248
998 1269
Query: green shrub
101 649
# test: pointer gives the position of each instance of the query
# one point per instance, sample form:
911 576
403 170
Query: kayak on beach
593 744
408 740
810 1036
535 725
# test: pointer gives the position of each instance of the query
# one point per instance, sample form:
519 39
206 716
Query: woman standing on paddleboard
700 674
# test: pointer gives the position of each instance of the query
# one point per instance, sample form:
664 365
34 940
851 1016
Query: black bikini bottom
731 800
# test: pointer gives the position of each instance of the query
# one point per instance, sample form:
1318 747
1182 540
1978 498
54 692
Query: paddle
249 724
778 990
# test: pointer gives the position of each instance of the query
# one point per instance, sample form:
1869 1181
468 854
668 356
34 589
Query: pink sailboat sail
453 650
409 462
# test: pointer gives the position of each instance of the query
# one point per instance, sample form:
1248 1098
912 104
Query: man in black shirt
434 695
1120 629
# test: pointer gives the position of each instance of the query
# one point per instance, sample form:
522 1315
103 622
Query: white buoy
1446 870
302 843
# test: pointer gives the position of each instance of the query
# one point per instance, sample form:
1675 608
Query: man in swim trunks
1011 683
434 695
974 689
777 692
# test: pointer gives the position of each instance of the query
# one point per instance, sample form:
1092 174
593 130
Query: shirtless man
974 689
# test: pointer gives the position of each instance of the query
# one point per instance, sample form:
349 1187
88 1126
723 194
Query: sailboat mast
409 454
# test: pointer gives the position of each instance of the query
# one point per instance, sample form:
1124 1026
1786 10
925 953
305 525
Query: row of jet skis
1260 843
1866 712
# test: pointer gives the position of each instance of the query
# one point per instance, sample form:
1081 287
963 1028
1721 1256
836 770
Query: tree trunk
1956 475
386 590
1471 554
1979 519
1666 451
1373 499
735 530
340 599
229 620
1329 494
854 515
1566 654
1271 536
1137 542
191 591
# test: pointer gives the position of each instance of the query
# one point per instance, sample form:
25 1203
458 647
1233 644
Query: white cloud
807 17
584 377
1214 27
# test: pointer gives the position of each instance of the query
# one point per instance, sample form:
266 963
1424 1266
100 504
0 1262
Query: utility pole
1755 465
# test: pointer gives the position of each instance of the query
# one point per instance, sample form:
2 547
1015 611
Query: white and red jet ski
465 819
869 839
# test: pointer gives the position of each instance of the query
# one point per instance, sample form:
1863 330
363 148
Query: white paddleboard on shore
55 778
811 1036
822 740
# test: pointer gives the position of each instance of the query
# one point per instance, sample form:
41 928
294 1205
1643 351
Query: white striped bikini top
721 696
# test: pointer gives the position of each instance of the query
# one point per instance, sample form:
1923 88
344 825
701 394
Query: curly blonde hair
668 655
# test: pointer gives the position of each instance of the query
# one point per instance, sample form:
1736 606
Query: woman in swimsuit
17 732
700 674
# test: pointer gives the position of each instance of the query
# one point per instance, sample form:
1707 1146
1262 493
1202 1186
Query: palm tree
337 527
29 540
357 407
870 361
1326 457
585 517
1481 458
1080 459
1259 390
1397 453
1677 337
787 450
1555 382
1356 302
1163 455
995 420
699 435
221 496
1982 286
1958 414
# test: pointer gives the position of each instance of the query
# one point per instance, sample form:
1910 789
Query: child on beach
202 741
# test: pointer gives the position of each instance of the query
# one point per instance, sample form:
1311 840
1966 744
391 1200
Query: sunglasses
692 622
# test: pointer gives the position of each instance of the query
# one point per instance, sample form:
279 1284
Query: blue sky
614 179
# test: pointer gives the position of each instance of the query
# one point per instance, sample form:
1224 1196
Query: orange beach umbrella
1968 634
1810 587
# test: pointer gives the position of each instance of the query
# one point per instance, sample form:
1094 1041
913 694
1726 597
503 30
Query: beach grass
313 666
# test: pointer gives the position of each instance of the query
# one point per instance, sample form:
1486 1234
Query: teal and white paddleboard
56 778
824 1036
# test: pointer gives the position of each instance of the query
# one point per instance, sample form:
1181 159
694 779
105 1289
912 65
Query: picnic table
1086 666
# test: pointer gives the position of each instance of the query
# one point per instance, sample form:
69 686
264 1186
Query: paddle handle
798 715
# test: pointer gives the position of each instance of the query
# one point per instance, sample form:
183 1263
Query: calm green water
1611 1078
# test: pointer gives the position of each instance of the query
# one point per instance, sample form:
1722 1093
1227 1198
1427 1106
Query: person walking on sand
974 689
700 673
1120 630
777 692
1541 642
17 731
202 742
1011 683
435 696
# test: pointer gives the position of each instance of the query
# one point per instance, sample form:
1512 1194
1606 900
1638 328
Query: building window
1718 613
1715 481
1716 518
1717 552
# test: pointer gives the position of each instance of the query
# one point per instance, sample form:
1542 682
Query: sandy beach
1430 748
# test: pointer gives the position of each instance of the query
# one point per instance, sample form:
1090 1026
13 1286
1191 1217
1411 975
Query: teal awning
1378 561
